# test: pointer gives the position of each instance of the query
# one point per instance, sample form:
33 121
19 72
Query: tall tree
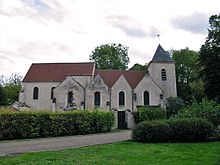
187 77
110 56
209 59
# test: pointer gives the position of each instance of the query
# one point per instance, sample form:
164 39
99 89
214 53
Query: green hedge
209 110
19 125
173 130
149 113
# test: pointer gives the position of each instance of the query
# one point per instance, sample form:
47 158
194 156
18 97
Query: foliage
110 56
187 75
209 59
149 113
151 131
190 129
11 87
209 110
138 67
174 104
19 125
2 95
172 130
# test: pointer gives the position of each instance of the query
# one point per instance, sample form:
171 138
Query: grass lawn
125 153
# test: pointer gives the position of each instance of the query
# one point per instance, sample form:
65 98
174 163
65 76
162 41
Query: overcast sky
45 31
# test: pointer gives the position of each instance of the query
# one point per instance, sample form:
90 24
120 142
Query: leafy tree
209 59
189 85
110 56
138 67
11 87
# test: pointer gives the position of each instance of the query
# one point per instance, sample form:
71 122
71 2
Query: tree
110 56
11 87
209 59
189 85
138 67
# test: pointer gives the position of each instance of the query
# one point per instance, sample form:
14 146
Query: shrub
174 104
190 129
151 131
17 125
172 130
149 113
209 110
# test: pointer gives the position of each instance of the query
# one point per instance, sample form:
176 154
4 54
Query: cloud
132 27
128 25
196 23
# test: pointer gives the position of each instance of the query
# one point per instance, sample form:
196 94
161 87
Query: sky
54 31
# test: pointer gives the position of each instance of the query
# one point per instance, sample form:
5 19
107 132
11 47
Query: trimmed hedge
149 113
173 130
19 125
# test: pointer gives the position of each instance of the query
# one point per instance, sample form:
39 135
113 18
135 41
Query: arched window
163 75
146 98
51 94
121 98
97 99
35 93
70 97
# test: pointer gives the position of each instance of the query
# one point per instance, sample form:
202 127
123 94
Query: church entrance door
121 120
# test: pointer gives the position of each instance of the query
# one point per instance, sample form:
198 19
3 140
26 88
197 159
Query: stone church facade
65 86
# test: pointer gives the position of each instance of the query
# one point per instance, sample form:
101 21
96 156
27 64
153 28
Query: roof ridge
64 63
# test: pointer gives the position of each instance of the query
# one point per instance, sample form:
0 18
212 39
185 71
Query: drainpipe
110 99
84 105
132 100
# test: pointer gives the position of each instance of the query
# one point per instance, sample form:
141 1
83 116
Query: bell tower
162 70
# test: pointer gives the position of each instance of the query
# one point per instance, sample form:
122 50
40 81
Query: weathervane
158 36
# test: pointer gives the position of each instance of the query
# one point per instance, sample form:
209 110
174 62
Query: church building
67 86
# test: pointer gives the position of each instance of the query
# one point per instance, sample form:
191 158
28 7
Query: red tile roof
44 72
111 76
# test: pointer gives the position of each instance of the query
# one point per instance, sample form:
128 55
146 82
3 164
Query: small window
121 98
163 75
35 93
51 94
146 98
97 99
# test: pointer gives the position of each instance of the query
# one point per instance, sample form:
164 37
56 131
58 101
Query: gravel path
43 144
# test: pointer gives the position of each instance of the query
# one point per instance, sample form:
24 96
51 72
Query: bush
18 125
151 131
174 104
190 129
149 113
209 110
173 130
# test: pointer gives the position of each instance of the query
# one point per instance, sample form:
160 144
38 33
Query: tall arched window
163 75
97 99
121 98
70 97
35 93
51 94
146 98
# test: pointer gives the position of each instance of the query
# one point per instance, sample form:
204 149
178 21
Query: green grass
125 153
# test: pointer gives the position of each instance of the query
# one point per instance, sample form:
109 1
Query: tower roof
161 55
